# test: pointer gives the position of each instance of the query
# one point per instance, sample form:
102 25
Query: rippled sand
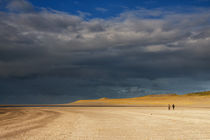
104 123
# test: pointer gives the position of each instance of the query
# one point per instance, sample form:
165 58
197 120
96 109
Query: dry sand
104 123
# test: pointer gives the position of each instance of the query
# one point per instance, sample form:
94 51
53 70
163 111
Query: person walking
173 106
169 106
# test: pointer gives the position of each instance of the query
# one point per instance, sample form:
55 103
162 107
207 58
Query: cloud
133 44
20 6
135 53
83 14
55 90
100 9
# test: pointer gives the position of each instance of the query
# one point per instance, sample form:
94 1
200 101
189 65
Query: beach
104 123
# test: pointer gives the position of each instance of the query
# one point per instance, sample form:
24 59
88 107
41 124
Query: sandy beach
104 123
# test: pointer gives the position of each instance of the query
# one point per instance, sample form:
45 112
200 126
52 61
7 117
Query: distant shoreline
197 99
140 106
76 106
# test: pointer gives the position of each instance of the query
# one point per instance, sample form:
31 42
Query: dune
198 99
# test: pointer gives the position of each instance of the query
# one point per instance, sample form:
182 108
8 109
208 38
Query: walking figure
169 106
173 106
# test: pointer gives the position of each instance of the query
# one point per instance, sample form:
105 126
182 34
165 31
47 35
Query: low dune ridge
197 99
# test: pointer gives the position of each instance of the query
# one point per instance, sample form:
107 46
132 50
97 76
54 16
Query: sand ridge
14 121
199 99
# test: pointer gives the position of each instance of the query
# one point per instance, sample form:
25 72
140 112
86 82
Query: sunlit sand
106 123
103 123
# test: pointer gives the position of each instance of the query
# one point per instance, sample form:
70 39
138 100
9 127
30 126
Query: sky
55 51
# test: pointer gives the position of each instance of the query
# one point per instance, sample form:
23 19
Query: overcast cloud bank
116 55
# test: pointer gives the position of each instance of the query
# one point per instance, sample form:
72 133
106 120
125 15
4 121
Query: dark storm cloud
132 44
46 90
136 53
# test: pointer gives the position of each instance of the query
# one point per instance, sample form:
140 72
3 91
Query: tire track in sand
14 121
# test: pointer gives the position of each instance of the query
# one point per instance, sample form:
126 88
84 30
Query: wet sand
104 123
